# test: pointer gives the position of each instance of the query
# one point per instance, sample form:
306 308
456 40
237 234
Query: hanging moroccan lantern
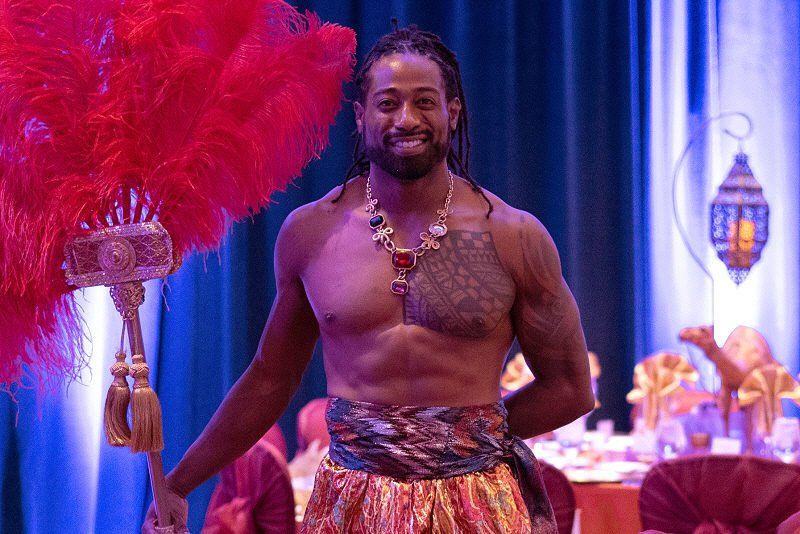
739 220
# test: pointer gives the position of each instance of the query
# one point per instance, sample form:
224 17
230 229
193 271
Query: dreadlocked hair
415 41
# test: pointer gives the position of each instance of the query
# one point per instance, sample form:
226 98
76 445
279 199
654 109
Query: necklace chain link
403 260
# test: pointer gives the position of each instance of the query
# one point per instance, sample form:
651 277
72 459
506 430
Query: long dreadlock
423 43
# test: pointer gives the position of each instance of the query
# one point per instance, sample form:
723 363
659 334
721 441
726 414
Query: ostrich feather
112 112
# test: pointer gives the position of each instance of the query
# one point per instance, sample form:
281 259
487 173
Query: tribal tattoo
462 290
547 317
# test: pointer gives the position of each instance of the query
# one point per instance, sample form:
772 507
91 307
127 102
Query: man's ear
359 111
454 110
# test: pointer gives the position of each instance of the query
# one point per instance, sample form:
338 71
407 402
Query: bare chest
461 289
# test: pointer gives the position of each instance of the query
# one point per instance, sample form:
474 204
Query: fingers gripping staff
132 133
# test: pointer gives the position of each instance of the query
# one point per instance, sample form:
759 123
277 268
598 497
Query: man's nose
407 117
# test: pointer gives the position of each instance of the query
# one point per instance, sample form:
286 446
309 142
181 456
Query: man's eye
426 102
385 104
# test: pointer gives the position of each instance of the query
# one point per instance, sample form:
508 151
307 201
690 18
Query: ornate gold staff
122 257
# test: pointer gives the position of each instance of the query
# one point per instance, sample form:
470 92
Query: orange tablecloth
608 508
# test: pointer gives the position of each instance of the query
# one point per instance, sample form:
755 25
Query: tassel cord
154 461
146 434
115 420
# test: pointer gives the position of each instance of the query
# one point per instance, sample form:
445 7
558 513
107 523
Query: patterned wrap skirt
411 469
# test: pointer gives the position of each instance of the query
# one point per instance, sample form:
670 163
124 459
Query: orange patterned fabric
357 502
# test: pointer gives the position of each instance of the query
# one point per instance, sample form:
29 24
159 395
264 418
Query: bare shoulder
516 223
307 226
521 239
325 211
503 217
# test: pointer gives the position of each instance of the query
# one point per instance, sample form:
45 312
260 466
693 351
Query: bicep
546 318
291 331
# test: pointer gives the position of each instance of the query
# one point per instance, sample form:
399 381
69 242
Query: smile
408 144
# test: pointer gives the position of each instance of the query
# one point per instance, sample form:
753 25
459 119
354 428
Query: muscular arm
262 393
547 325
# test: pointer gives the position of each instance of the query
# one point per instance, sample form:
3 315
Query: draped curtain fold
576 112
707 58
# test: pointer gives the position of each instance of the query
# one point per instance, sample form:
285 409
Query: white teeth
409 144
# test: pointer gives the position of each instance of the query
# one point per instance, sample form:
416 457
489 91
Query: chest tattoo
460 289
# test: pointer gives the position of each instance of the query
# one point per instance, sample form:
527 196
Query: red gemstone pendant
399 287
404 258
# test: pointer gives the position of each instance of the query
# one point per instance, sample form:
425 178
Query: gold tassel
118 433
147 434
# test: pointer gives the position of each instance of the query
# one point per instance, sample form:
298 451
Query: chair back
722 494
311 424
562 497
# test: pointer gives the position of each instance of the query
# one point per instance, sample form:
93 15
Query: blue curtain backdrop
562 98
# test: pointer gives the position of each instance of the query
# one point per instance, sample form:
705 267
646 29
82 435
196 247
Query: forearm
543 406
253 404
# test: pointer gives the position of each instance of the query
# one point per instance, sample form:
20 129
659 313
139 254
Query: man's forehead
406 71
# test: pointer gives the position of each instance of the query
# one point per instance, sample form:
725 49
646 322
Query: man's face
405 119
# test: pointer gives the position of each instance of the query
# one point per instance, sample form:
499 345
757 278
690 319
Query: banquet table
606 488
605 470
608 507
605 476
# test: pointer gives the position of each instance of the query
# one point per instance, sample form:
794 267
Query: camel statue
744 350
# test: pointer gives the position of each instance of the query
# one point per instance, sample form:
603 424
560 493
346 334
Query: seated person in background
306 461
254 494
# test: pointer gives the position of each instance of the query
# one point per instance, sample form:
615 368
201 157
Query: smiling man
416 280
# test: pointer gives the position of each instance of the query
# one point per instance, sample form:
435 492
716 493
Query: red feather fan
190 113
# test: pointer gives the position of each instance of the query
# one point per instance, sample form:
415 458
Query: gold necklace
405 259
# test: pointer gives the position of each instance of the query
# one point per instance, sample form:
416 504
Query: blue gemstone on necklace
376 221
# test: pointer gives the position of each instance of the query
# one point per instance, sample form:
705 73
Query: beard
407 168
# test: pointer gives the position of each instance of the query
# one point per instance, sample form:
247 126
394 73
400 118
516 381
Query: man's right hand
177 512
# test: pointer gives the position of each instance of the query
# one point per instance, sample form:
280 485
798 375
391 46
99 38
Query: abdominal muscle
409 365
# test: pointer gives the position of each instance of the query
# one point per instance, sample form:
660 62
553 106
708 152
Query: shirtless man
413 355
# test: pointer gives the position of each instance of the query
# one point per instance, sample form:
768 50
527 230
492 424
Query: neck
401 198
